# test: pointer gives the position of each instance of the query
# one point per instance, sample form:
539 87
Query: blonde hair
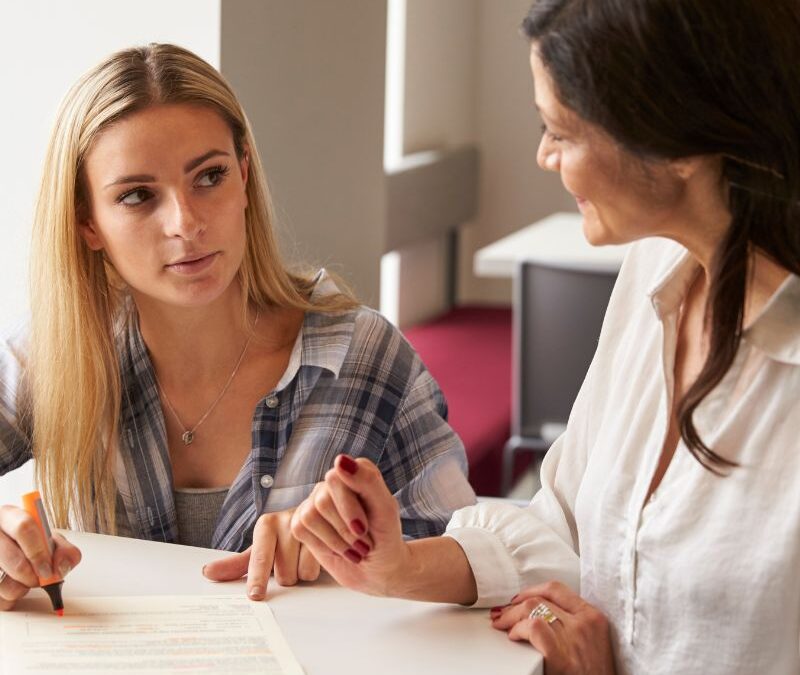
76 297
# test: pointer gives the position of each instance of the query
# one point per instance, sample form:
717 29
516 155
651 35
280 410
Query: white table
555 241
561 288
331 629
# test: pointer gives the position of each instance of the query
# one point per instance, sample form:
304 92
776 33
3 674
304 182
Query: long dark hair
669 79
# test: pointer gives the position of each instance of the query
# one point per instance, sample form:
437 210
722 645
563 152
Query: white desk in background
555 241
330 629
561 289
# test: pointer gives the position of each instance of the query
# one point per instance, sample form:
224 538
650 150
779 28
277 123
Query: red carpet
468 352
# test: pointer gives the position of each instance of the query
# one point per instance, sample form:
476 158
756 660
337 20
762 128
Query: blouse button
272 401
267 481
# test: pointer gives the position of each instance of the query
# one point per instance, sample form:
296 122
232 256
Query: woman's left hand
274 549
576 642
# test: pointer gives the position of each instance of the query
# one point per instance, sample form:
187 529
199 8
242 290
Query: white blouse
704 577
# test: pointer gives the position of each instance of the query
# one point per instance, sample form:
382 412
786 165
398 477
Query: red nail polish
357 526
494 610
362 547
352 556
347 463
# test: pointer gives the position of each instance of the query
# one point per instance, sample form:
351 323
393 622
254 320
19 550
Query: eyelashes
550 134
208 178
143 194
220 172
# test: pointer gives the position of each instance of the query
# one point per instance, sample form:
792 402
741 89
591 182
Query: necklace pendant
188 437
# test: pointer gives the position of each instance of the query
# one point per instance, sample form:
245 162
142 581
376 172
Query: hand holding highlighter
32 503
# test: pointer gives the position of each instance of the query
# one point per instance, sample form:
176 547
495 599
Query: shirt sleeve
424 463
510 548
15 428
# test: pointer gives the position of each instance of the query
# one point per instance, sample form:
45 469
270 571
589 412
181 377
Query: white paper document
146 634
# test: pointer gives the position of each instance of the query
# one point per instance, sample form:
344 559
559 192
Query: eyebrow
540 111
189 166
197 161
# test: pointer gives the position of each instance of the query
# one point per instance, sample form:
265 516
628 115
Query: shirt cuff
496 576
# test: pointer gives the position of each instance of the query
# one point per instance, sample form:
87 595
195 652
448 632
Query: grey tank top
197 510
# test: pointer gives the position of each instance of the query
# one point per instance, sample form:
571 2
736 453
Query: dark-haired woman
666 534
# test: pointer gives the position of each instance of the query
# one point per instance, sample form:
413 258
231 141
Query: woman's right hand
350 508
24 553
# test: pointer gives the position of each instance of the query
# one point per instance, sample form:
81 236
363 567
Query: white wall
311 76
467 80
44 46
439 112
441 76
514 191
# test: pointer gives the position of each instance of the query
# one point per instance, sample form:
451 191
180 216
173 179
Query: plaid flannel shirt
353 385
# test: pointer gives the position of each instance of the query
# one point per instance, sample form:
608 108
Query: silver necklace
188 434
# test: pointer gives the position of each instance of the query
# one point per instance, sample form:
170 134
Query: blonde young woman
176 382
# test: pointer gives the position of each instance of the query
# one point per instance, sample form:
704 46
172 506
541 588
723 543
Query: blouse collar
776 329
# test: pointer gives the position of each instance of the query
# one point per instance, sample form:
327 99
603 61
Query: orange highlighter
32 503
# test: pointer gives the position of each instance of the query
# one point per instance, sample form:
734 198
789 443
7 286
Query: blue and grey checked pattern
354 386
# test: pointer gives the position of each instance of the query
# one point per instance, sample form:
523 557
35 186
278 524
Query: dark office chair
558 313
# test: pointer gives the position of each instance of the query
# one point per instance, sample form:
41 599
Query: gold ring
542 611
